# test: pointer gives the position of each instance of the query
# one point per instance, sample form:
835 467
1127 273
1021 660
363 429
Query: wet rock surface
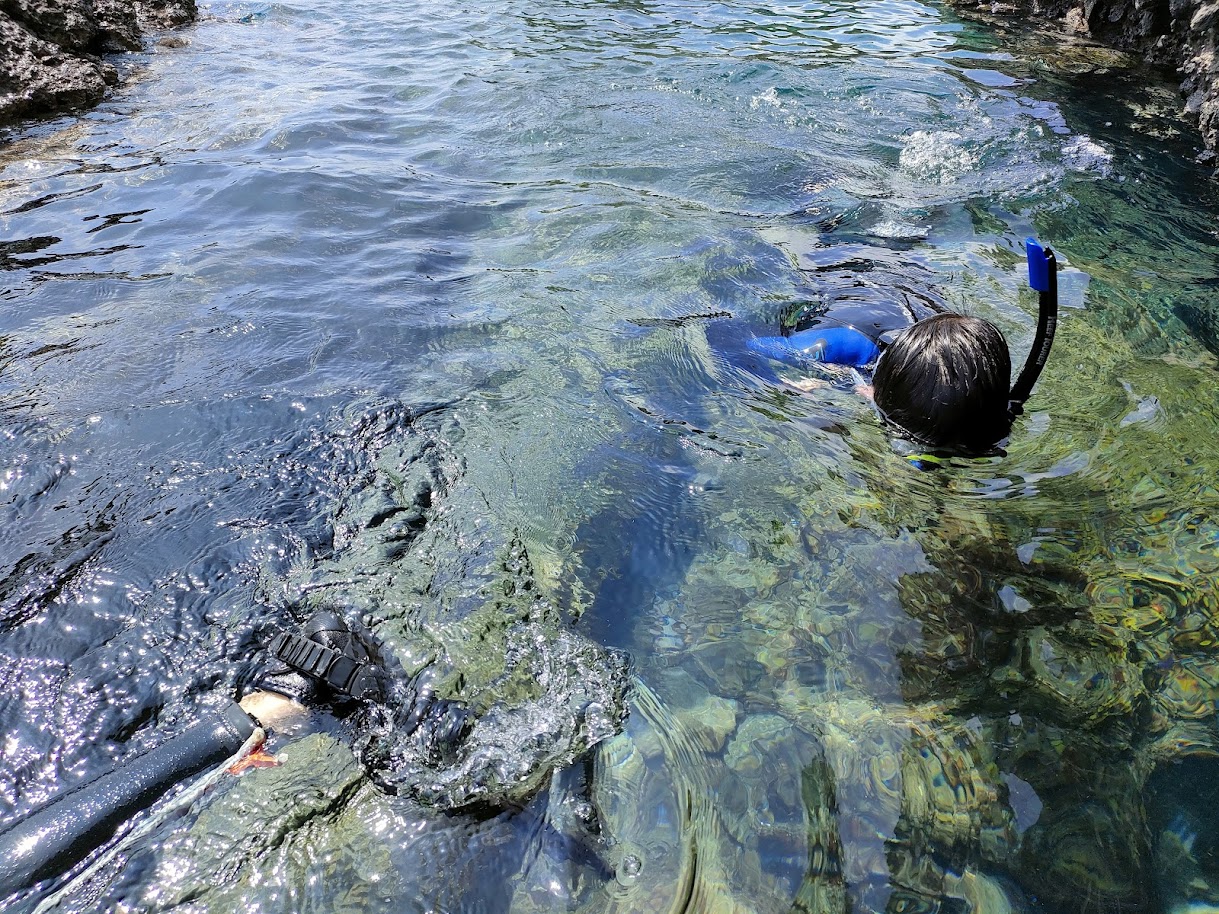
50 50
1179 35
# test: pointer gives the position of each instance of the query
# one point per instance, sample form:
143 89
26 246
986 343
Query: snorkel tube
1043 276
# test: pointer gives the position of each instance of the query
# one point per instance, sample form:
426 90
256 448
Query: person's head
946 381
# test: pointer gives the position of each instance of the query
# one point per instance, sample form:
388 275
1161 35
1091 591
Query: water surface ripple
421 310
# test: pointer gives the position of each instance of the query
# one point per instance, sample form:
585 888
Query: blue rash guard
866 296
834 345
850 333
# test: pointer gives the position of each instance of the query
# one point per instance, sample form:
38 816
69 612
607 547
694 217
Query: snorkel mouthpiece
1043 277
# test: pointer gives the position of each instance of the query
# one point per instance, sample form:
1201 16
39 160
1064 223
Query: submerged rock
271 823
50 50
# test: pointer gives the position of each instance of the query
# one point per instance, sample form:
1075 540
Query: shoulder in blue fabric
832 345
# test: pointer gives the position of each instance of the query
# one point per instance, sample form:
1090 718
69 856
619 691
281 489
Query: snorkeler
331 664
942 378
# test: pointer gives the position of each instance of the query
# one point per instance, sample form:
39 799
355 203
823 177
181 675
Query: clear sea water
459 267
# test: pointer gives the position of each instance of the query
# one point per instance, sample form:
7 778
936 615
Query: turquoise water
408 309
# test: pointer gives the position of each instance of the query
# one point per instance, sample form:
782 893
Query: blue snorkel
1043 276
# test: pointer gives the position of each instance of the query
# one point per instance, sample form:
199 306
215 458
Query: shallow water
458 269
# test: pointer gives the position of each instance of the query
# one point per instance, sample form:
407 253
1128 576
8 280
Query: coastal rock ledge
1180 34
50 50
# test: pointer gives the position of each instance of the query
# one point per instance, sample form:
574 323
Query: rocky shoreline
1179 35
51 50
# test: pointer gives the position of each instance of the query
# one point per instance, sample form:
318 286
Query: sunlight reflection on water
328 266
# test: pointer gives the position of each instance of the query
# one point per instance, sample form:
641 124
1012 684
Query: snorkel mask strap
1043 276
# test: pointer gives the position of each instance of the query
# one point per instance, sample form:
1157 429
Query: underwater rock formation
1178 34
50 50
454 596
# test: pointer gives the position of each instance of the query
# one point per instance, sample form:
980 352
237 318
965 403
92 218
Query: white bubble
937 157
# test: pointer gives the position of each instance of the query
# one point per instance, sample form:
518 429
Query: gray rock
50 50
1181 34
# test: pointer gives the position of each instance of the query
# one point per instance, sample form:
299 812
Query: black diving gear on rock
329 654
341 663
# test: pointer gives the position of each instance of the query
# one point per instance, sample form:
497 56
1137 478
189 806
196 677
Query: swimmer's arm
807 385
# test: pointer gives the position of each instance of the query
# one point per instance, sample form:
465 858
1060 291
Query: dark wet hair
945 381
